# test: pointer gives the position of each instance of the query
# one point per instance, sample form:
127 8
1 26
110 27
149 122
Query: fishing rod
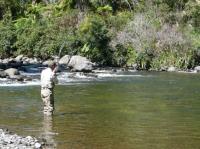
57 57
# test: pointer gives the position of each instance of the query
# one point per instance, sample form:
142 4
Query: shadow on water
47 132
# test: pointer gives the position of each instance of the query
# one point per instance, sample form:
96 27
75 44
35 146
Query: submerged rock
17 77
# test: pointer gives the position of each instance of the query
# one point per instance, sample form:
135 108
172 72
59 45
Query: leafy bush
124 55
118 21
144 59
94 35
7 40
192 13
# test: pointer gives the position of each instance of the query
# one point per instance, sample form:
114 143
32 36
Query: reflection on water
47 132
156 111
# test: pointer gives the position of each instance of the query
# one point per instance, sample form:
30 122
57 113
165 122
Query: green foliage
144 59
192 13
118 21
7 40
94 35
167 59
14 7
124 55
174 5
104 10
152 33
115 4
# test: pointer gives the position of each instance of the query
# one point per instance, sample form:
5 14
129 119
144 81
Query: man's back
47 78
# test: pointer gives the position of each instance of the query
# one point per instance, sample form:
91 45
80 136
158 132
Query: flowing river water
135 110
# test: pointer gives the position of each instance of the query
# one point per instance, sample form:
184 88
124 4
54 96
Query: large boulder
25 60
79 63
2 74
11 72
5 61
19 58
171 69
65 60
34 60
46 63
15 75
197 69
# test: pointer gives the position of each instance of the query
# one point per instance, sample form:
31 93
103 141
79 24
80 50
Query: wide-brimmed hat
51 63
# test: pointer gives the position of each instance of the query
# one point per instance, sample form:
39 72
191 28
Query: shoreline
23 69
11 140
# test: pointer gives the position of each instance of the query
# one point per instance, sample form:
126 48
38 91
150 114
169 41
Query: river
136 110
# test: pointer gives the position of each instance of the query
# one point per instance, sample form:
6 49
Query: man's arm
54 77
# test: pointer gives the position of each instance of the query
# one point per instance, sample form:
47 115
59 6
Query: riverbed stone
5 61
135 66
3 74
79 63
17 77
47 62
171 69
197 68
12 72
13 141
34 60
19 58
37 145
65 60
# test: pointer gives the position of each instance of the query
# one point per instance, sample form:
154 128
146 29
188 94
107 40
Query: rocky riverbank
9 140
15 68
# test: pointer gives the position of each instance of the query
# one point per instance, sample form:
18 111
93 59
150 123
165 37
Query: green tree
14 7
7 40
94 35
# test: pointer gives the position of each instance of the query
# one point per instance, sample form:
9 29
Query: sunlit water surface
135 111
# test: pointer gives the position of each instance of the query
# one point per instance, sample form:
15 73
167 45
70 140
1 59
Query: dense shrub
7 40
124 55
94 35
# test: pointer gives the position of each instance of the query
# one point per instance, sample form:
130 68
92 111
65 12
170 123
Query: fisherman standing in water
48 80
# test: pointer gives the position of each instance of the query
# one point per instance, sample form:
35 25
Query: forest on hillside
150 33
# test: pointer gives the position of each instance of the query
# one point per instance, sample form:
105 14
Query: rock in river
11 72
79 63
197 68
3 74
171 69
65 60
